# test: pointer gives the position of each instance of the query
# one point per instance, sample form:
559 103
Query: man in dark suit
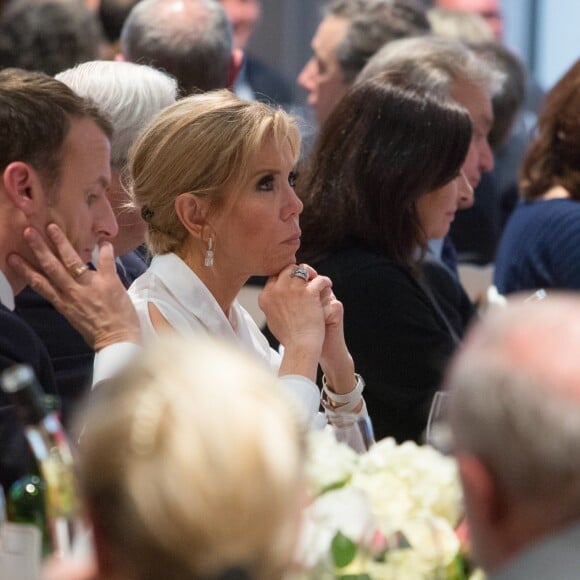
130 95
54 159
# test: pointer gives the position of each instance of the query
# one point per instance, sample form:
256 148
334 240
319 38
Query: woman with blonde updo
213 177
191 469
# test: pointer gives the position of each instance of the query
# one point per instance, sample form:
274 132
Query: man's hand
94 302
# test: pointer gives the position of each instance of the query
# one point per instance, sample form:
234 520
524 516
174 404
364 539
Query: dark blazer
18 344
267 83
400 343
72 358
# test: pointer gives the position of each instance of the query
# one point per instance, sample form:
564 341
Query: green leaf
334 486
456 569
354 577
343 550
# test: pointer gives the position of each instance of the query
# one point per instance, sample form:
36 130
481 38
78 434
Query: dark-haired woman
384 178
540 246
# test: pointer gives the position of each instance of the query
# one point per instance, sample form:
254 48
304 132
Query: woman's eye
266 183
292 179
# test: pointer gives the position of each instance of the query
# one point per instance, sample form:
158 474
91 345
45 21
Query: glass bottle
48 442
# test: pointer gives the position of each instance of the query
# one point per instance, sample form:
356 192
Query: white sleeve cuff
305 395
111 359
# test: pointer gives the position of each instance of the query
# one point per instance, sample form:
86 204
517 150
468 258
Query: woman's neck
556 192
223 284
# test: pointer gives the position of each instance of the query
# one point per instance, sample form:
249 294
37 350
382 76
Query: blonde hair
203 145
191 461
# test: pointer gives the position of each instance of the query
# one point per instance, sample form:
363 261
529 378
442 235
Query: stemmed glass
353 429
438 432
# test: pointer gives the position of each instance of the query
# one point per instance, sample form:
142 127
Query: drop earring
208 261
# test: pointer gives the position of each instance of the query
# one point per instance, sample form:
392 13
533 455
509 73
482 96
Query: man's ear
484 499
191 212
235 66
22 187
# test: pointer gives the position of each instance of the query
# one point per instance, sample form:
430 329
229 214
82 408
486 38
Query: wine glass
353 429
438 432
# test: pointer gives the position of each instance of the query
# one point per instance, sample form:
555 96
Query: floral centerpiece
390 513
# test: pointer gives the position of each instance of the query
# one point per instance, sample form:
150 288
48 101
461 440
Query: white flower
330 463
346 510
400 502
409 481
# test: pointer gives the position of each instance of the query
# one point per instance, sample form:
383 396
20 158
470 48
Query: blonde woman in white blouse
213 177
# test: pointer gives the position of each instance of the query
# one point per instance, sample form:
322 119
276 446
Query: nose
485 156
293 205
105 223
306 76
465 197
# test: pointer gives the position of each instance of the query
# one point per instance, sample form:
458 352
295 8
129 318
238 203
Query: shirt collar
192 294
6 292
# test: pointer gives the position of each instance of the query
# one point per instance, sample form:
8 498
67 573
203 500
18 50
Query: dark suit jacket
72 358
267 83
18 344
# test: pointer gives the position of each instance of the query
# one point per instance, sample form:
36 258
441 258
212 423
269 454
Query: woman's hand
295 315
335 359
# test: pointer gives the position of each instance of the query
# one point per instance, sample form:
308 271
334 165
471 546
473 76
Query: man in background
514 412
350 33
256 80
189 39
48 35
489 10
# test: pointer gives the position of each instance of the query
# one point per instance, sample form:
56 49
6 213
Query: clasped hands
307 318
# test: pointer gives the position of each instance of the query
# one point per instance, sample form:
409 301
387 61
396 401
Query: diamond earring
208 261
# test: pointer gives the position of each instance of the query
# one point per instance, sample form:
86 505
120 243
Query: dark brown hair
35 115
554 156
381 149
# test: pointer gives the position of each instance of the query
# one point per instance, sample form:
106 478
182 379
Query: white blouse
187 304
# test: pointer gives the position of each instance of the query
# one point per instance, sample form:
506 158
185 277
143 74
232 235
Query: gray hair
130 94
464 26
373 23
433 64
195 45
515 401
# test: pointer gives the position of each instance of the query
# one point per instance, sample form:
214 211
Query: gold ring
78 271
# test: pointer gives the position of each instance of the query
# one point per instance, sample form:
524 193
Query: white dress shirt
188 306
6 292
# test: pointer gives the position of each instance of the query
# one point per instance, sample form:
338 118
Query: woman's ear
191 212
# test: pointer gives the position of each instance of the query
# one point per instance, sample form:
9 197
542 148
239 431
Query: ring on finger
78 270
300 272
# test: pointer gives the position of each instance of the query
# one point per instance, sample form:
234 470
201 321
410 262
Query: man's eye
266 183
